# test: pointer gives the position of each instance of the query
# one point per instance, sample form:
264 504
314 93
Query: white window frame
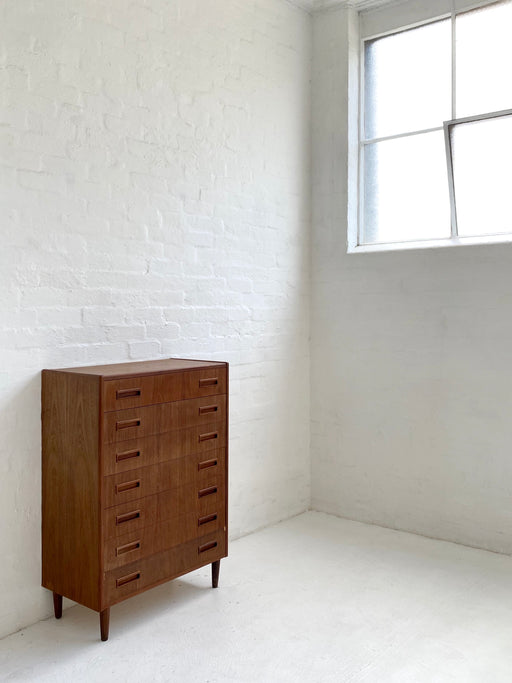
448 125
391 21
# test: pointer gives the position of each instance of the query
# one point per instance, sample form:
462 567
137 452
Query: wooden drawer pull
206 519
127 393
127 485
122 549
125 424
127 517
126 579
204 410
208 382
207 492
207 546
126 455
207 463
208 436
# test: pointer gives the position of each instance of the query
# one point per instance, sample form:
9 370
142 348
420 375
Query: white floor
312 599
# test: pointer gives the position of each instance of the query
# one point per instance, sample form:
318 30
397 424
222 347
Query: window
435 145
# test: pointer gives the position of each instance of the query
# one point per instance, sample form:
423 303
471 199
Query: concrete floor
312 599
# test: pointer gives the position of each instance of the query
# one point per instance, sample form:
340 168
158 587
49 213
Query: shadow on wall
20 505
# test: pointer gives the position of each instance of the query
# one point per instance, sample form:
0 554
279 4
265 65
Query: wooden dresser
134 478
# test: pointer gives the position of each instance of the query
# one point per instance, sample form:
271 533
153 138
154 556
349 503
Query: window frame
354 243
448 126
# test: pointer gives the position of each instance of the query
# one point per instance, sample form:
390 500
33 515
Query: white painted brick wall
154 190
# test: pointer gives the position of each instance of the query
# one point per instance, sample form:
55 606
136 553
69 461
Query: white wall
154 202
411 356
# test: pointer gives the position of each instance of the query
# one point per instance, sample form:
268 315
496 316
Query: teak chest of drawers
134 477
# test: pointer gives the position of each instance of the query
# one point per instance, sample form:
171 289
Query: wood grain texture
136 496
160 507
173 474
134 453
226 469
70 487
156 538
141 368
138 576
136 423
132 392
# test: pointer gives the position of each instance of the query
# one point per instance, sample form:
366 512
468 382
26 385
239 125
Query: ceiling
316 5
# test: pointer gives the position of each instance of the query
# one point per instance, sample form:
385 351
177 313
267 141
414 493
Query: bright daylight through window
436 132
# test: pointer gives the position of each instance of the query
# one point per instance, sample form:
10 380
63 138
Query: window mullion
397 136
454 67
451 183
362 133
453 221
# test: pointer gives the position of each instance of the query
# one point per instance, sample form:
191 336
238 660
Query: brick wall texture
154 202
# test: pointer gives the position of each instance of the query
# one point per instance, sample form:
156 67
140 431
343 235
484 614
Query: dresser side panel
70 486
226 466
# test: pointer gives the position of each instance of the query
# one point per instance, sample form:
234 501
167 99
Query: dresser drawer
135 515
133 453
137 576
156 538
134 423
132 392
198 469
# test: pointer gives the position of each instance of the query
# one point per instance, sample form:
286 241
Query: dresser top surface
137 368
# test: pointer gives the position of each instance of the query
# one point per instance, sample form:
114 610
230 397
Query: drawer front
137 576
135 423
198 469
128 455
132 516
153 539
132 392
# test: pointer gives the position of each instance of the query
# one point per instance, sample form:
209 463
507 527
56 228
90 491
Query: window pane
406 190
484 56
408 80
481 157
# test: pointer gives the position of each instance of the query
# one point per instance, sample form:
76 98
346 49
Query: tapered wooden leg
104 623
57 605
215 573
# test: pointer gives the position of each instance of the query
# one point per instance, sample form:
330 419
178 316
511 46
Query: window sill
431 244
